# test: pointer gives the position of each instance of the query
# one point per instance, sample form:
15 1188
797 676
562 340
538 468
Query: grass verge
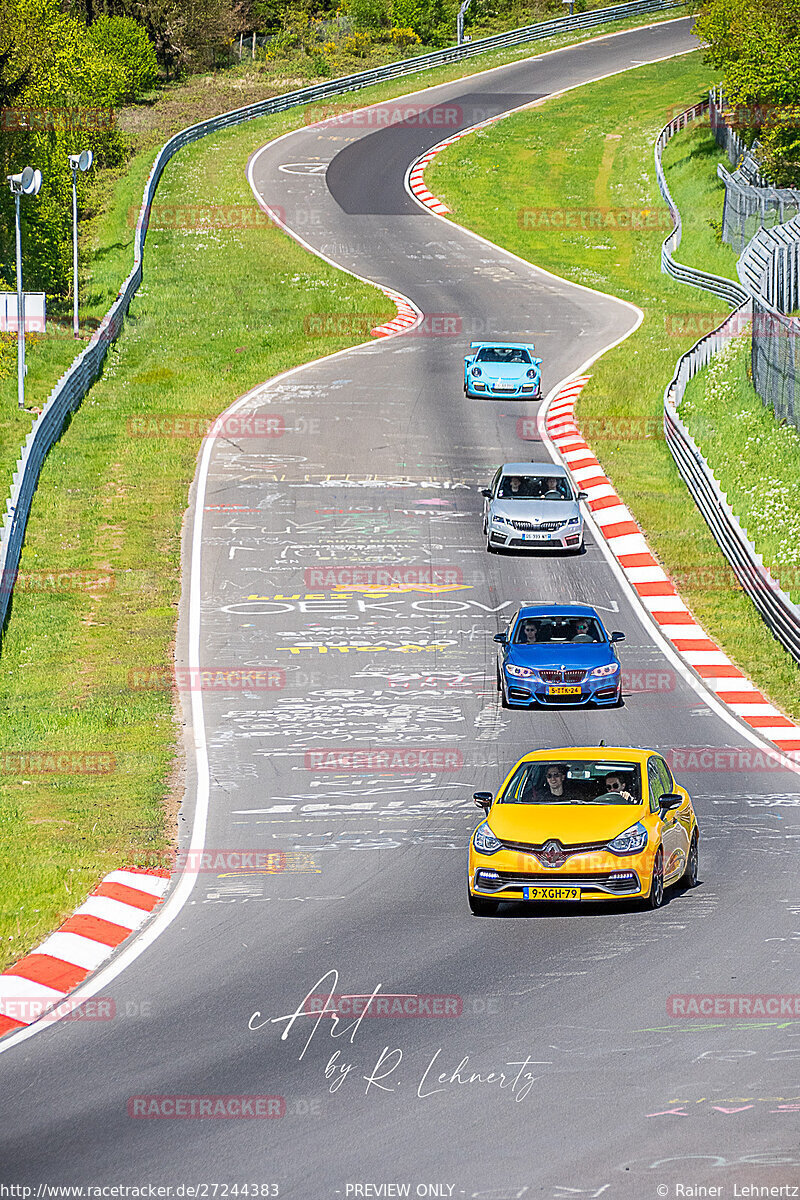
756 459
589 154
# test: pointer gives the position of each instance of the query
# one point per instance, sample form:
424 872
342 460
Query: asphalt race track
381 462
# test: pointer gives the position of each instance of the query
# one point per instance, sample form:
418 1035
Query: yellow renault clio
588 823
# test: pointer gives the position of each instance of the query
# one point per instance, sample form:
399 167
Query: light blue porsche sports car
503 369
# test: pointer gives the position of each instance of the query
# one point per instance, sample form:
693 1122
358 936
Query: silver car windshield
501 354
534 487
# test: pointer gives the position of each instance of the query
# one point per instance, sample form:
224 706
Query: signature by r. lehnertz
384 1075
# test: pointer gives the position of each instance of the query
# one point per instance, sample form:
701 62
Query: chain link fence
751 202
780 614
769 268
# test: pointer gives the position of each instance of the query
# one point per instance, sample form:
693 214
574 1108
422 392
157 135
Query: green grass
756 459
593 149
690 160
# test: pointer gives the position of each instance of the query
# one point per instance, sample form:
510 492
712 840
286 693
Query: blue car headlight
519 672
608 669
630 841
484 840
476 371
532 374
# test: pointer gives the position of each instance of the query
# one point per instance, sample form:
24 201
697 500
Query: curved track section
381 462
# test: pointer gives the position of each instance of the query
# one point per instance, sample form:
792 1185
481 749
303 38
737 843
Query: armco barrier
75 383
780 614
727 289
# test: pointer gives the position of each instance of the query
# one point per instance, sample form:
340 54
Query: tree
756 44
126 42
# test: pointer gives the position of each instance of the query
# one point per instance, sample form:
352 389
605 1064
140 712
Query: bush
368 14
403 38
125 41
359 45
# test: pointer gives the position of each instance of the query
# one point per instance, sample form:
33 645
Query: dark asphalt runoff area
382 458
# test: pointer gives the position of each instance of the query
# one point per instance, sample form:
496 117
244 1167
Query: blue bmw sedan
558 654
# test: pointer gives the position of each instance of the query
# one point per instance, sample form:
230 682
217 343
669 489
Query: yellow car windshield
574 782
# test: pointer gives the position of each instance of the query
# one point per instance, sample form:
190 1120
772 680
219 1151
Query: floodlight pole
27 183
74 166
77 162
20 312
460 21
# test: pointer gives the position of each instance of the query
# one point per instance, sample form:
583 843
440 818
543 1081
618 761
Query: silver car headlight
484 840
574 520
498 520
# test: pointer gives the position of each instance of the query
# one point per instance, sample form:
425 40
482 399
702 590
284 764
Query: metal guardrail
727 289
781 615
66 396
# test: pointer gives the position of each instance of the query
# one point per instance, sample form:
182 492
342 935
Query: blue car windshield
502 354
534 487
557 631
581 782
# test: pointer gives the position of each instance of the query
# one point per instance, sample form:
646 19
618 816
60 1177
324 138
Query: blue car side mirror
618 637
501 638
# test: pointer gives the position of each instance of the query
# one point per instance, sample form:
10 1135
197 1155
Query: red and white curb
654 587
416 181
407 316
40 982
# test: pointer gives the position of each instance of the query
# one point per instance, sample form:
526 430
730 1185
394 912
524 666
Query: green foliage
368 14
403 37
434 21
125 41
59 89
756 44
